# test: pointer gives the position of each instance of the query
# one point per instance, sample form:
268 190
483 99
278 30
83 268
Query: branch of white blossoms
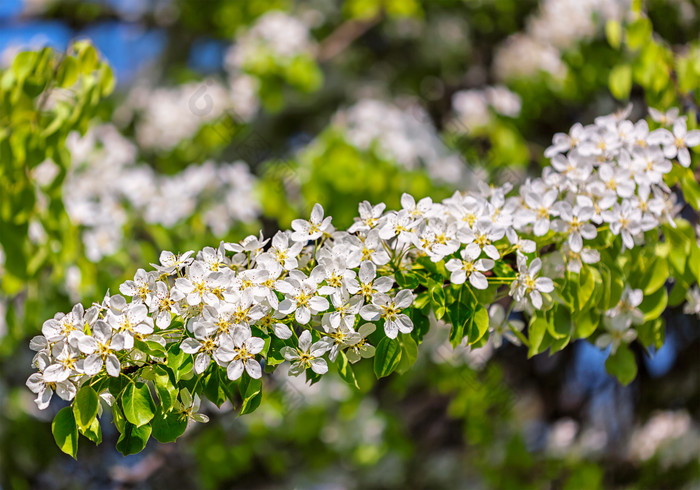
209 323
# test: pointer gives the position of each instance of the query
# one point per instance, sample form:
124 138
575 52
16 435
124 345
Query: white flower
676 144
522 245
44 389
626 221
485 234
312 229
346 307
616 180
502 327
369 283
626 312
281 251
245 348
416 210
529 284
100 349
204 344
389 309
334 271
307 355
132 321
692 306
339 334
68 326
361 348
470 268
399 223
541 209
200 285
576 222
575 260
170 263
142 285
563 142
369 217
368 248
163 302
301 296
667 118
64 363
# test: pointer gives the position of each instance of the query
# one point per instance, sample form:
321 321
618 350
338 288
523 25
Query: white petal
253 369
235 370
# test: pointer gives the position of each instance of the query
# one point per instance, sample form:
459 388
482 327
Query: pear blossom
528 284
470 268
312 229
307 355
245 348
389 309
361 348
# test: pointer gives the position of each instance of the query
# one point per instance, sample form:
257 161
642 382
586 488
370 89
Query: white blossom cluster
403 135
341 284
105 187
275 34
554 28
671 436
166 116
473 107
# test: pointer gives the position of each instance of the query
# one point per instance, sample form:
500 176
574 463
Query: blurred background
229 117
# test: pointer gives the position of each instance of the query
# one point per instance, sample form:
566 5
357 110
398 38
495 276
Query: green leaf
654 304
586 323
536 332
137 404
461 315
167 427
166 390
251 392
620 81
65 432
651 333
345 370
213 386
178 361
133 439
561 325
409 353
421 324
694 261
387 357
479 325
94 432
680 248
639 33
622 365
586 286
655 277
613 33
691 189
437 294
85 406
68 72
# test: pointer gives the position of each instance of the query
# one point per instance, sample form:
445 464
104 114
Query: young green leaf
133 439
622 365
137 403
167 427
85 406
65 432
251 392
345 370
387 357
